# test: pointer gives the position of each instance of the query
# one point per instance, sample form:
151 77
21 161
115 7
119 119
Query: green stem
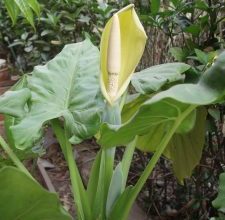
109 165
13 157
75 180
111 116
78 189
127 159
159 151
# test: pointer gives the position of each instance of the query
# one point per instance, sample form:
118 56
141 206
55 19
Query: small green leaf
193 29
35 6
12 10
178 53
219 202
201 4
175 2
155 6
202 56
215 113
22 198
24 7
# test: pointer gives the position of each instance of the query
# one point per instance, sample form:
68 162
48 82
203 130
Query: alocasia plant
66 95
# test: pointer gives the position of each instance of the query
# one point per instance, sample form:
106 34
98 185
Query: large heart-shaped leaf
153 78
22 198
169 107
66 87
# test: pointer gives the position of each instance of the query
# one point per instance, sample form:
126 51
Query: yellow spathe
132 42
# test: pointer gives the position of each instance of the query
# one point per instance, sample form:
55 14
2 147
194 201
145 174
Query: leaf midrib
67 100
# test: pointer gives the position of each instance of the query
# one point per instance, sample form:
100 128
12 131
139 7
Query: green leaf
187 124
115 188
193 29
175 2
219 202
154 78
24 7
178 53
155 6
93 179
202 56
133 103
122 206
98 208
12 10
151 140
66 87
215 113
12 103
35 6
23 199
168 106
187 147
201 4
10 121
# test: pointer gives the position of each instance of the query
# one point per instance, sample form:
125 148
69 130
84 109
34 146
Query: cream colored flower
122 45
